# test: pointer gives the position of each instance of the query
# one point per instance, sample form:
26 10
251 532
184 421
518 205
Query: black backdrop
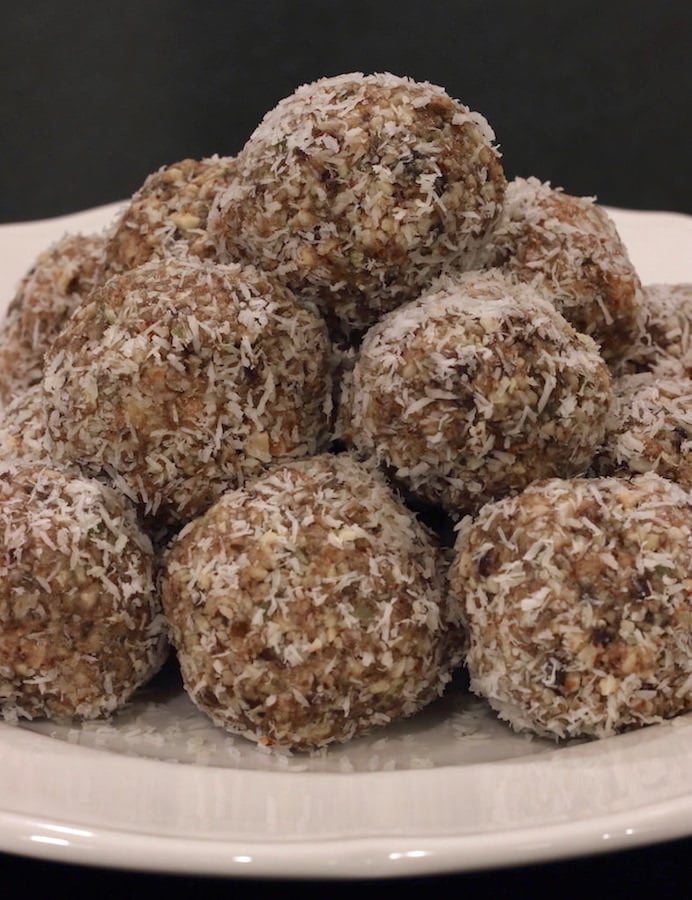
593 96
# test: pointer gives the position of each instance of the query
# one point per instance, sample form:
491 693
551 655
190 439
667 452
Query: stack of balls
336 417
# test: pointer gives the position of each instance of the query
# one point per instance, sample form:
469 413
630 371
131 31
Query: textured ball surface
167 216
309 606
179 379
358 189
61 278
649 428
569 248
80 623
665 344
474 390
578 599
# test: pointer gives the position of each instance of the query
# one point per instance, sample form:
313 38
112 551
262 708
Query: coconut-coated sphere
570 249
167 215
475 390
181 378
578 601
309 606
358 189
60 279
81 626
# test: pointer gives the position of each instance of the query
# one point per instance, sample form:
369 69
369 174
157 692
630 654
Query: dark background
593 96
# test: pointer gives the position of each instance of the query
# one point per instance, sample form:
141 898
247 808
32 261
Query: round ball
358 189
24 429
309 607
81 627
60 279
578 601
474 390
665 345
179 379
569 248
167 216
649 428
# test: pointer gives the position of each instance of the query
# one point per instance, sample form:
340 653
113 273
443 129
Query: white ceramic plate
452 789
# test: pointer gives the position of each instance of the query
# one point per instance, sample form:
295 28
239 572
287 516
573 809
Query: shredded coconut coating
81 625
475 390
59 280
665 345
578 601
358 189
310 607
23 428
649 428
569 248
179 379
167 216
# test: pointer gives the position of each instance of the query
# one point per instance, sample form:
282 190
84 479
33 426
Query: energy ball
358 189
24 428
665 346
649 428
180 379
473 391
81 627
578 600
62 276
569 248
309 606
167 216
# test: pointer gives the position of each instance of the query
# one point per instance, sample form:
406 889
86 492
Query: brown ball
578 601
649 428
167 216
60 279
80 623
181 378
665 343
309 607
475 390
569 248
358 189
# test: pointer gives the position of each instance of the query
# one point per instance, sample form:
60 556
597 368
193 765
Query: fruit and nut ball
81 627
309 606
569 248
167 215
357 190
578 600
649 428
665 344
475 390
181 378
61 278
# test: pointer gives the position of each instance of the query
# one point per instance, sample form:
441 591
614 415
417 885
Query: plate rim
352 858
